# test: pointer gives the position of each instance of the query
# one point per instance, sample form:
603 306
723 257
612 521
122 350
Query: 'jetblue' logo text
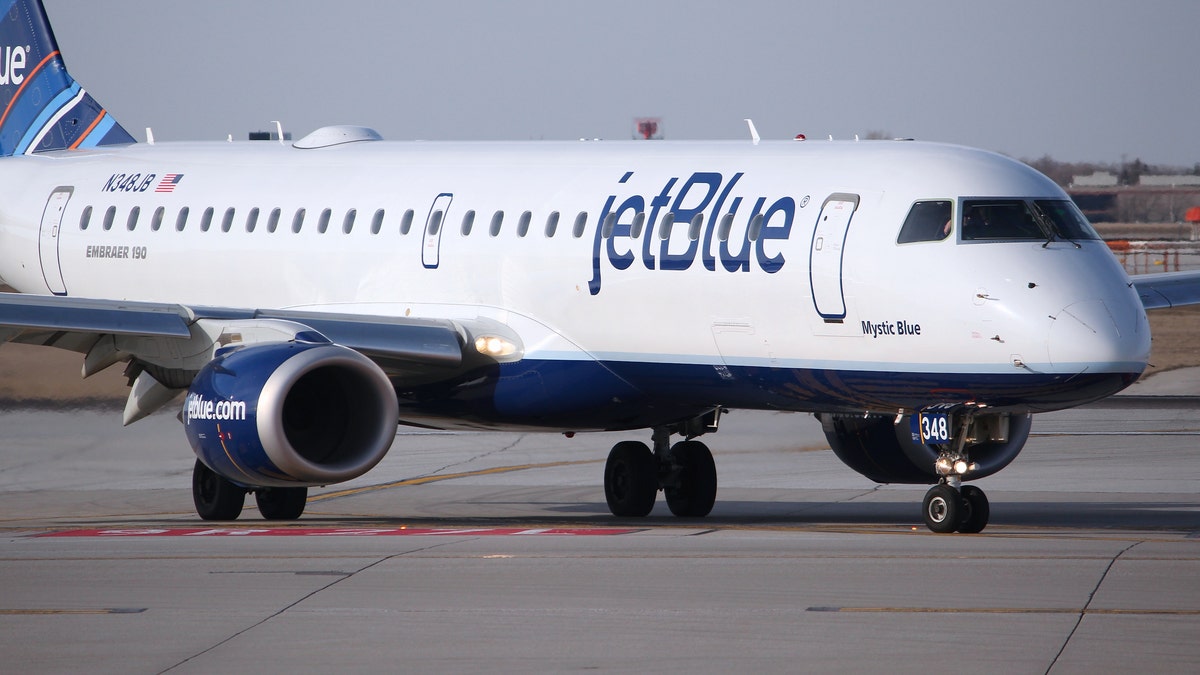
706 196
12 65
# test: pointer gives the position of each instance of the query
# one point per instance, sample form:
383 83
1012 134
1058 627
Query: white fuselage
798 299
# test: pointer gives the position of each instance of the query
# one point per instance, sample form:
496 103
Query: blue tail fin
42 107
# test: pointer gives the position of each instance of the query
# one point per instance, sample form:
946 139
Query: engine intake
290 414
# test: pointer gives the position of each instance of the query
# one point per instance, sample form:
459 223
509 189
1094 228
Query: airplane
299 300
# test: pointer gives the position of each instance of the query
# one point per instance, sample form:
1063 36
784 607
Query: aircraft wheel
281 503
696 490
942 507
975 510
630 479
215 497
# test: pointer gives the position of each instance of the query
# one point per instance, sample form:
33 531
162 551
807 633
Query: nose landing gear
951 506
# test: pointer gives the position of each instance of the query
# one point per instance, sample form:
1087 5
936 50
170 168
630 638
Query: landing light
491 345
960 467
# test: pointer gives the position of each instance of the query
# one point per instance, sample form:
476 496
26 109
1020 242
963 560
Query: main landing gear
219 499
685 472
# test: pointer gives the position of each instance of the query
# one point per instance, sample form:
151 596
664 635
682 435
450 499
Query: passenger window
435 222
927 221
206 219
497 221
298 221
85 217
668 222
580 223
468 222
109 216
523 224
552 224
755 229
348 221
610 224
227 221
252 219
377 222
725 227
156 222
639 221
181 220
133 217
406 222
273 219
323 220
698 224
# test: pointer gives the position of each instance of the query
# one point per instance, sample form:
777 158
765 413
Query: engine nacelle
290 414
889 452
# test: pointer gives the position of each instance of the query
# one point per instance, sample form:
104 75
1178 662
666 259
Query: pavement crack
476 458
281 611
1087 605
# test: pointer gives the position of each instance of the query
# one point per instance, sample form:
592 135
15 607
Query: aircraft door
48 238
434 224
826 254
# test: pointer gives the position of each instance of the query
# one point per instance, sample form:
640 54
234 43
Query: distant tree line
1128 172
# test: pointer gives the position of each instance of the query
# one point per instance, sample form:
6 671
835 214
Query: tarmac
490 552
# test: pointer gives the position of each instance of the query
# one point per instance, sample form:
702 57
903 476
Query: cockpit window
927 221
999 219
1068 222
1020 219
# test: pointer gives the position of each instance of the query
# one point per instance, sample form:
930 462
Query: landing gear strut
951 506
685 472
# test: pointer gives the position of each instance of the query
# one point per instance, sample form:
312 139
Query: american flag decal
168 183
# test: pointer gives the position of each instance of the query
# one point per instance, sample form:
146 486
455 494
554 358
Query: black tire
942 507
630 480
215 497
281 503
975 510
696 491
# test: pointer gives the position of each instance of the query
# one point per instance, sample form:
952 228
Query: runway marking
342 532
1004 610
41 612
424 480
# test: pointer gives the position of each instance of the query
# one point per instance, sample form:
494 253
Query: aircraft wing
169 335
1168 289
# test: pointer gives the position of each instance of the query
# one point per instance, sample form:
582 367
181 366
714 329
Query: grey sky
1080 80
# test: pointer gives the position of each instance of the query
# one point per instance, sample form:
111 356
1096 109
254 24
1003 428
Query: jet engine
888 450
290 414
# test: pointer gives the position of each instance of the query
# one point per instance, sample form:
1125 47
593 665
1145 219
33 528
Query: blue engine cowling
887 451
290 414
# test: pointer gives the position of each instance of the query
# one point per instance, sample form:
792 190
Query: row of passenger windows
348 220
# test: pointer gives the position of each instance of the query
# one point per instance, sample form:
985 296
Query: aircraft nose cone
1087 337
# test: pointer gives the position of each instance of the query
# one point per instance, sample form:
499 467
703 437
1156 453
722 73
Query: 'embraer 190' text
702 215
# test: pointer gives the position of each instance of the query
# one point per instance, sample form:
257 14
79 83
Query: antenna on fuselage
754 137
278 130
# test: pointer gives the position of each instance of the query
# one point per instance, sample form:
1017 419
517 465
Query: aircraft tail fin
42 107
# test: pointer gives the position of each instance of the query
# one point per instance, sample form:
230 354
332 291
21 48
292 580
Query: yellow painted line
1003 610
42 612
424 480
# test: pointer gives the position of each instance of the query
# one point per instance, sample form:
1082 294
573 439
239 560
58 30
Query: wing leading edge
1168 289
166 345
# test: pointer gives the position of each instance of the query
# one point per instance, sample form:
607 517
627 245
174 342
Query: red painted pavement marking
337 532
